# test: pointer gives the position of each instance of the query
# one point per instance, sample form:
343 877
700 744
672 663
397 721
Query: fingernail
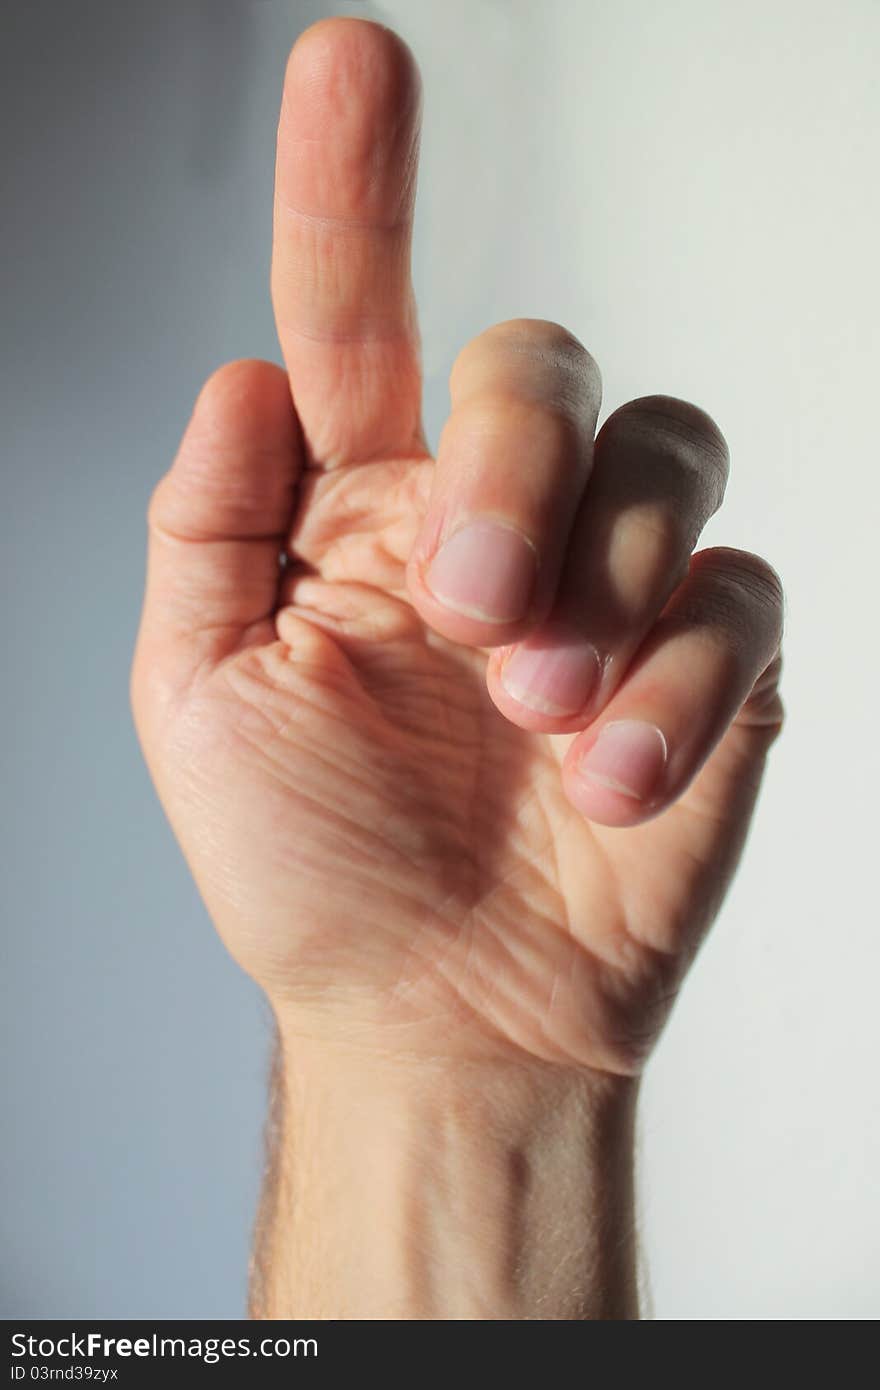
554 678
486 571
629 756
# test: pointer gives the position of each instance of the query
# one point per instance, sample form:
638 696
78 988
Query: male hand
469 776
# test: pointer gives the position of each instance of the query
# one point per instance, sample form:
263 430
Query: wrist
420 1189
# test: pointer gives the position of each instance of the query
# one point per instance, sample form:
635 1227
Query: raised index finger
344 194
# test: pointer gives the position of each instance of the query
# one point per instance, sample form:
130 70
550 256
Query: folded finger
659 471
512 464
718 634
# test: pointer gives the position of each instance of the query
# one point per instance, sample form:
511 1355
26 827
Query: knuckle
682 419
747 574
676 430
741 594
536 336
537 358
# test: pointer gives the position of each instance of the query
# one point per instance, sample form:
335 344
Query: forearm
411 1190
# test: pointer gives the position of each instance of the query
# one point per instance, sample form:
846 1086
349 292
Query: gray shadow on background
138 153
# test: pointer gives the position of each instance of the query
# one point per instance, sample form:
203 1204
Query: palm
384 843
415 851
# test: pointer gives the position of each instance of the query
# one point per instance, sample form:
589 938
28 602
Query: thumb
217 524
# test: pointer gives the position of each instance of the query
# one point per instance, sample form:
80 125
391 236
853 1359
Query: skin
446 916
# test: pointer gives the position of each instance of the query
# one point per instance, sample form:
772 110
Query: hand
469 776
